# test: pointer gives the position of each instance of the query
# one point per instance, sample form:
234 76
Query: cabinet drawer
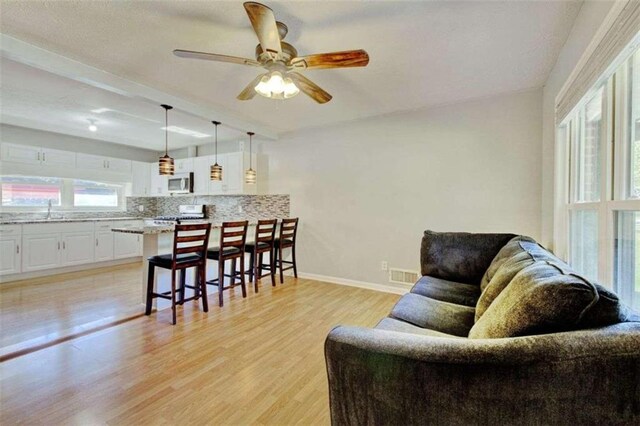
10 230
43 228
104 226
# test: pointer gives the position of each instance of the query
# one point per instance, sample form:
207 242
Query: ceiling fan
282 79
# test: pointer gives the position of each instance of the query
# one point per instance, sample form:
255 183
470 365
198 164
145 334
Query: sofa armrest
387 377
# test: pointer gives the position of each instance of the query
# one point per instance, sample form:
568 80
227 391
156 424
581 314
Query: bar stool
287 239
263 243
233 236
190 243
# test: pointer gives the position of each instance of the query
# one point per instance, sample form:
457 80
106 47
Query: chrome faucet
49 209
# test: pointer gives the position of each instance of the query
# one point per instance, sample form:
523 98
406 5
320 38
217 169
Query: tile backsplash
219 207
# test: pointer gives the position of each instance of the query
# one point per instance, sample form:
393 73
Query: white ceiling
422 53
39 99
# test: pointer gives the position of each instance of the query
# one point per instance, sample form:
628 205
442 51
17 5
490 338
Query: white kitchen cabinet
21 153
37 156
77 248
99 162
216 186
201 174
232 183
40 251
126 245
104 246
140 179
183 165
10 249
57 157
158 183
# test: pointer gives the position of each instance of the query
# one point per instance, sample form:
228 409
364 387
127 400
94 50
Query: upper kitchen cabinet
34 155
140 179
98 162
184 165
201 174
157 182
234 166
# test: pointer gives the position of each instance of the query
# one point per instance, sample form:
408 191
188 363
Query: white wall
591 16
26 136
366 190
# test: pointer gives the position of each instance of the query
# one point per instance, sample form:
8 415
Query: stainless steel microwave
181 183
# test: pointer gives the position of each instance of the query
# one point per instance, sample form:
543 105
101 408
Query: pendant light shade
165 163
216 169
250 176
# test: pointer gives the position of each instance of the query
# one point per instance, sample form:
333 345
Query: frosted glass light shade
275 86
250 177
216 172
166 166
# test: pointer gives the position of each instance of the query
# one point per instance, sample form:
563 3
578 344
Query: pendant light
165 164
216 169
250 174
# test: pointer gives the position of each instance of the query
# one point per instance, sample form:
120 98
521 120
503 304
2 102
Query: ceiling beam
34 56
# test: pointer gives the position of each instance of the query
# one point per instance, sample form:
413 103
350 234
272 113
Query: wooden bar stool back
263 243
190 243
233 236
287 239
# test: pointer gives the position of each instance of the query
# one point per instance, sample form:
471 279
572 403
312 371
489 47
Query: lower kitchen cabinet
77 248
40 251
104 246
10 250
126 245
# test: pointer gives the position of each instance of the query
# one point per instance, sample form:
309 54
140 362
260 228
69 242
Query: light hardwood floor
257 360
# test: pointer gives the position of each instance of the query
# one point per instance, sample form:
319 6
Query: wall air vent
402 276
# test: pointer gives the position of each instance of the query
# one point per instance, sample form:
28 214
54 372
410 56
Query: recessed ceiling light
186 132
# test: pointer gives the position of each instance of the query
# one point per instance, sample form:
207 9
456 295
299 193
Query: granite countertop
63 220
153 228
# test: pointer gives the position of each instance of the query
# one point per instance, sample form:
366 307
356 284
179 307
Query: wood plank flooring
257 360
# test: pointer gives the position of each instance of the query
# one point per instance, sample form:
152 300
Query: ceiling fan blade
215 57
309 88
249 92
346 59
264 24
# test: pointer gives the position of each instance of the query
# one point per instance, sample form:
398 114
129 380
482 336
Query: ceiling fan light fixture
275 86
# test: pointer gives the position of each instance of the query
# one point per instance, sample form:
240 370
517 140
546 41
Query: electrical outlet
140 208
384 266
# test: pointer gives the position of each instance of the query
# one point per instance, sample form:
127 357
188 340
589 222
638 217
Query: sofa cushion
522 252
459 256
542 298
447 291
607 311
434 314
506 252
392 324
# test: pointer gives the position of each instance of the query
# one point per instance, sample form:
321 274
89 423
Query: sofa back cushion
516 255
544 297
459 256
607 311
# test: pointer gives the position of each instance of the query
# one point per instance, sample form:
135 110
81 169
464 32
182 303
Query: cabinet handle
17 248
64 246
43 158
96 242
107 164
38 155
58 245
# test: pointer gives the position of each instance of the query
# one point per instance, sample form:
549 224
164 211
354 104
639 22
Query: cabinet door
158 183
77 248
56 157
88 161
201 174
125 245
104 245
40 251
184 165
21 153
140 179
118 165
232 180
10 256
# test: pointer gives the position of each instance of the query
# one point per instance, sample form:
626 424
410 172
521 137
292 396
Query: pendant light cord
166 131
250 149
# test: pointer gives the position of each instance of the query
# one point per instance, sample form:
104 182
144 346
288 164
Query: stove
188 213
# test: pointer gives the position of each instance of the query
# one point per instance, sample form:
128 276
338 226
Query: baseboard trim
354 283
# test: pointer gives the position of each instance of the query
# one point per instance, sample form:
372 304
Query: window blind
620 34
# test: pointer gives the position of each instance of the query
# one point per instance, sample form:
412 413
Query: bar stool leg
254 270
220 281
281 257
150 278
233 272
202 281
183 282
173 296
251 267
242 281
272 271
293 257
